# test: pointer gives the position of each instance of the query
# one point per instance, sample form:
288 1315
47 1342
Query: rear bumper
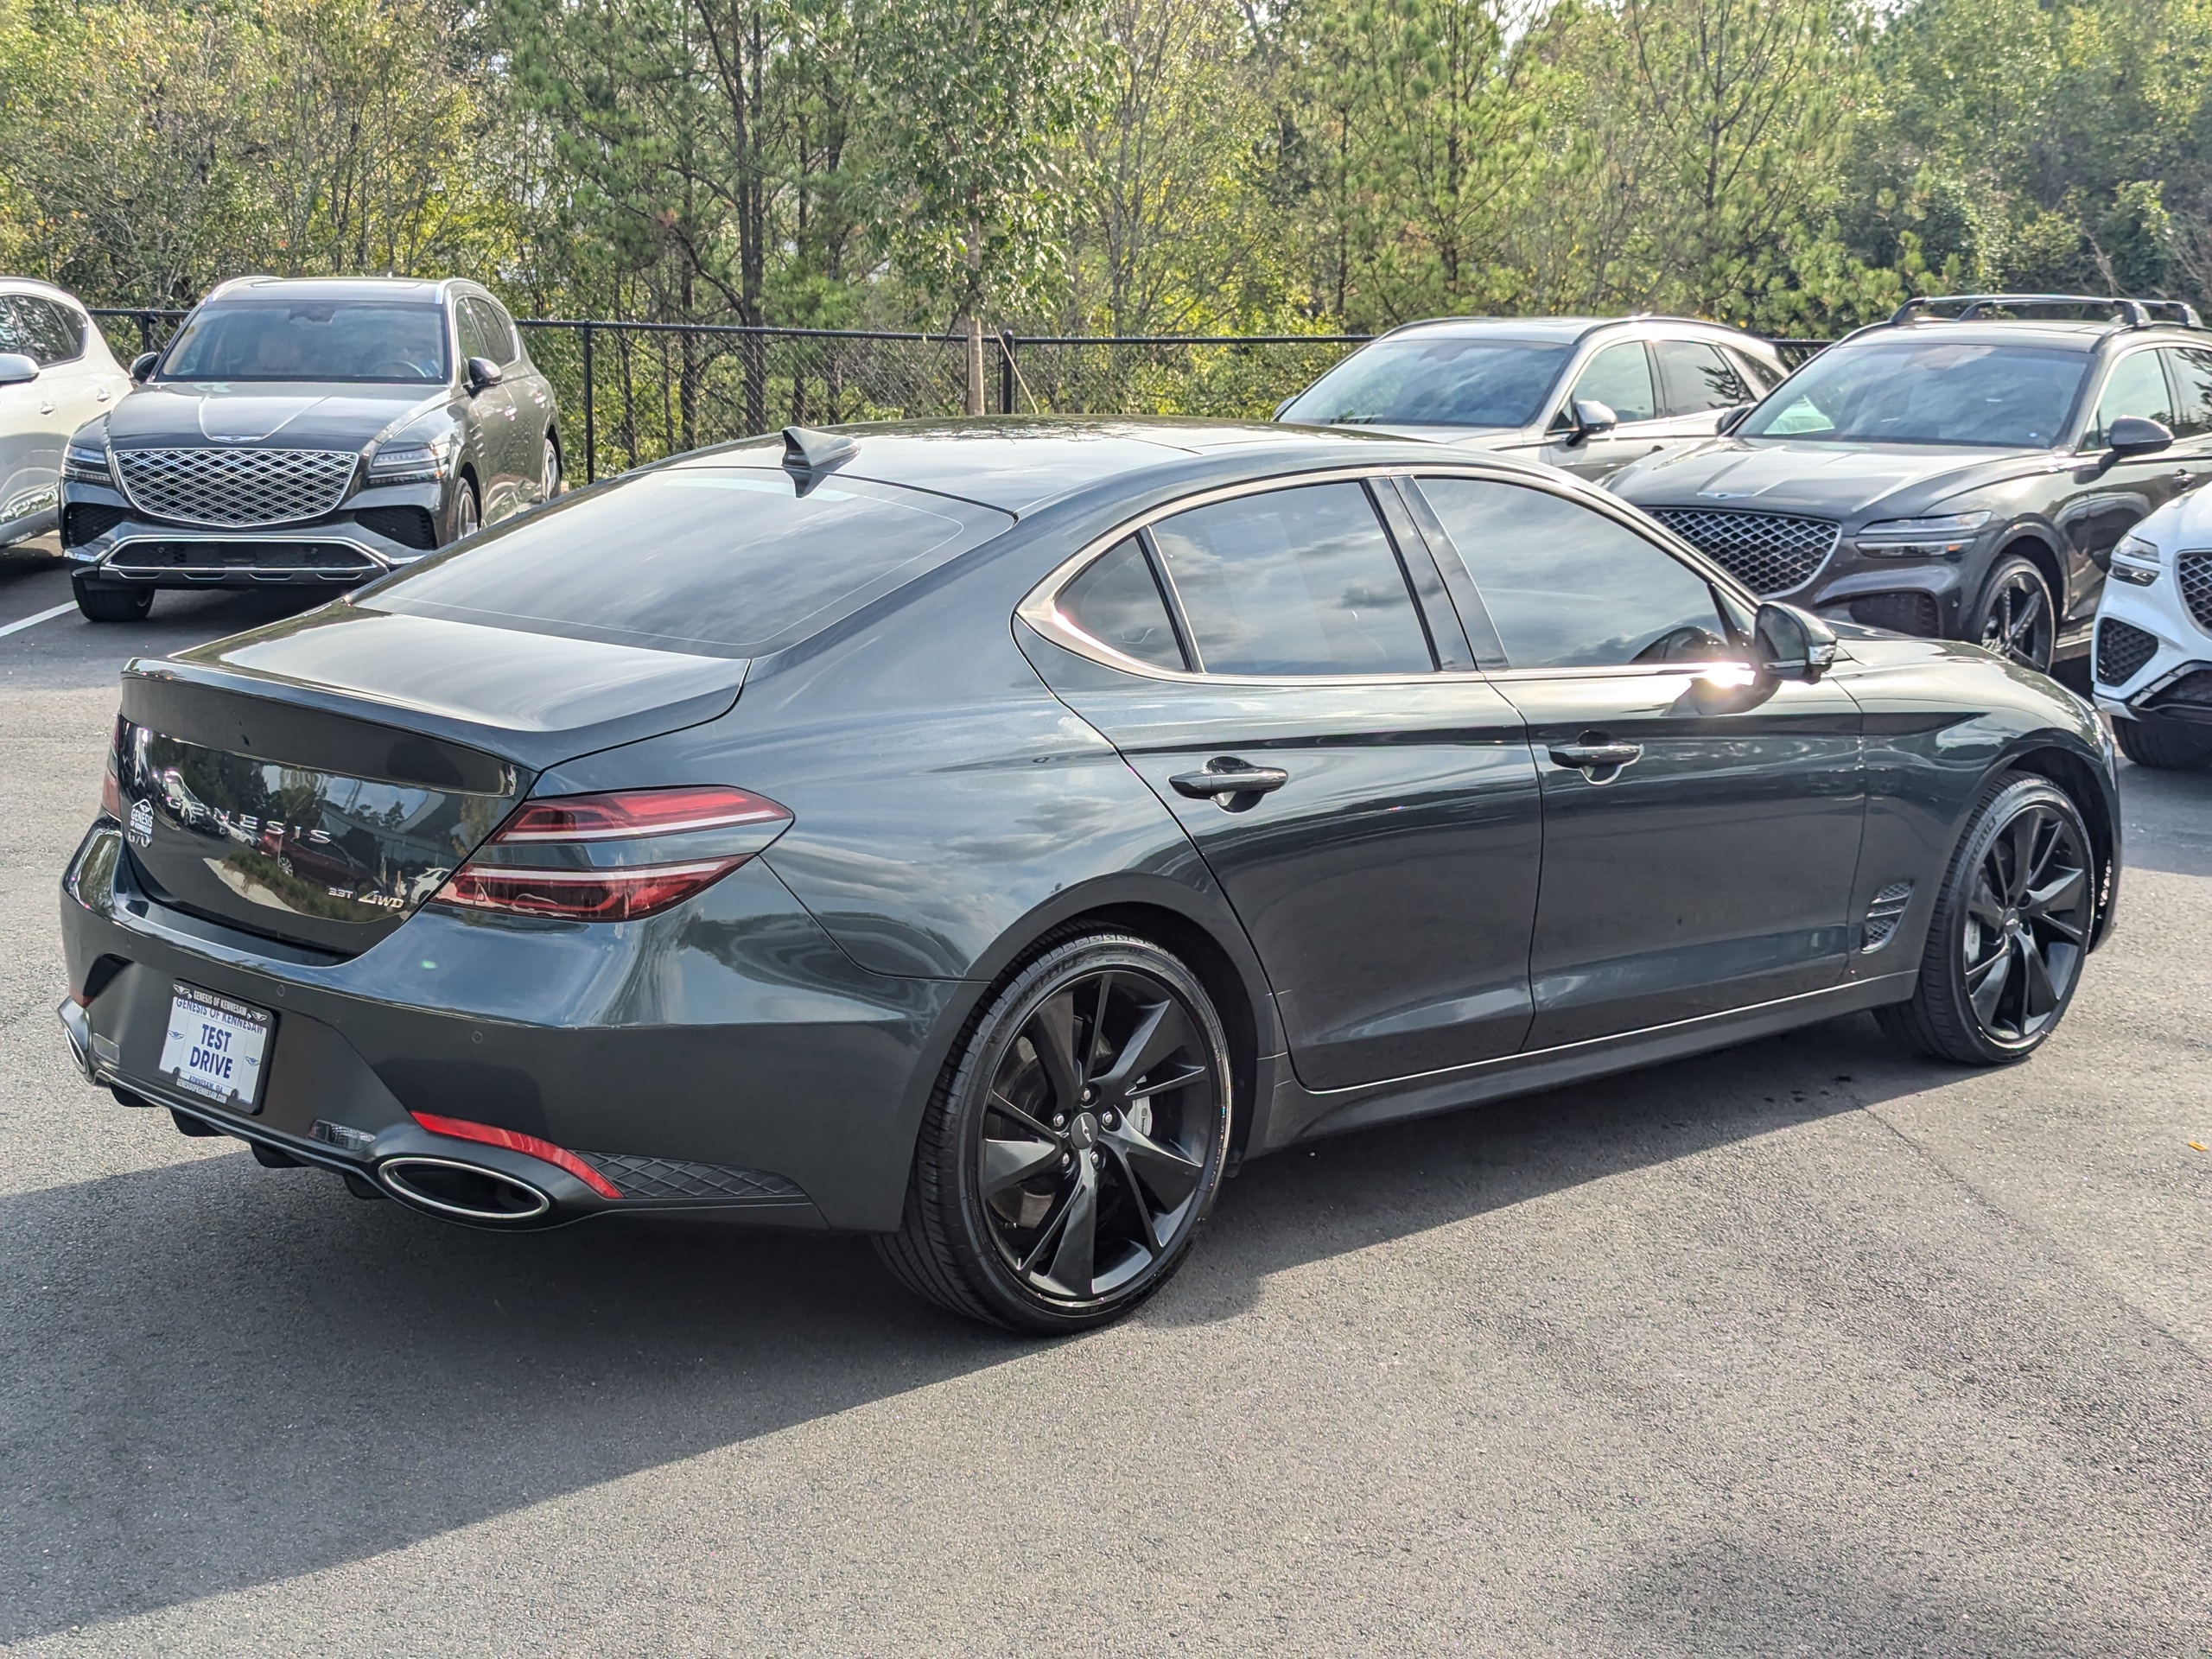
726 1057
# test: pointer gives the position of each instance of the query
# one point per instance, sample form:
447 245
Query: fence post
591 416
145 331
1006 371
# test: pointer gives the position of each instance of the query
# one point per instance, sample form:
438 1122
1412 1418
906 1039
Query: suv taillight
615 857
112 780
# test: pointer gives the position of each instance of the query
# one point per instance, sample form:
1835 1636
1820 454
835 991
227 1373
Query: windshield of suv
271 339
1927 391
714 562
1431 381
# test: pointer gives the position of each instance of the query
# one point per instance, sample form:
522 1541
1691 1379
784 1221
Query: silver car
56 373
1586 395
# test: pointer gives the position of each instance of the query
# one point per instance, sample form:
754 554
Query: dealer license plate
214 1047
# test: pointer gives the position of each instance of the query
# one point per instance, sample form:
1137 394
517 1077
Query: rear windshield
720 561
1927 391
1417 381
299 340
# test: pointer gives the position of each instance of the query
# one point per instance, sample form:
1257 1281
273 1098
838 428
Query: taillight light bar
617 856
460 1129
111 779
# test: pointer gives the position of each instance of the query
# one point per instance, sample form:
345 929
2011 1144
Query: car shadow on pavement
222 1376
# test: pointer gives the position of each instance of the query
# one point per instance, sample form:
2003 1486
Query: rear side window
1697 378
1300 580
2192 373
1757 374
718 561
1566 587
1117 601
1620 378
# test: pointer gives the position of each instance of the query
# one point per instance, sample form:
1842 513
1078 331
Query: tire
467 510
2165 744
1035 1128
551 485
2016 618
113 604
2011 931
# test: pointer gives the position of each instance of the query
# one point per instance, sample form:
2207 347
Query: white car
2154 638
56 373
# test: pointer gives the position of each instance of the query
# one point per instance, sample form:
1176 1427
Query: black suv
1963 470
309 431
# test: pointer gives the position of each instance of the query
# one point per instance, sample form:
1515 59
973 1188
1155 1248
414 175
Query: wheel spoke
1164 1171
1983 904
2065 929
1149 1229
1161 1031
1052 1033
2063 894
1000 1104
1094 1059
2023 618
1009 1163
2022 834
2039 995
1077 1248
1986 981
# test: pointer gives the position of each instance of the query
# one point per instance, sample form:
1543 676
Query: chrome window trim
1039 606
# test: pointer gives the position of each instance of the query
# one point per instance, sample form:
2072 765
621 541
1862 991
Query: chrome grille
2122 649
1769 552
233 488
2194 572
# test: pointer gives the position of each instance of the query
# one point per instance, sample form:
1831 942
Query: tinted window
1117 601
720 562
270 339
1415 381
1907 391
1620 378
2136 385
501 330
1569 587
1697 377
471 324
51 333
1293 581
2192 373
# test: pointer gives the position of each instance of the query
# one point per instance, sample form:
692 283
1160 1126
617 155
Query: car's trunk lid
317 781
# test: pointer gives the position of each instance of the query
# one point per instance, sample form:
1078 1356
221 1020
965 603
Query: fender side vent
1883 914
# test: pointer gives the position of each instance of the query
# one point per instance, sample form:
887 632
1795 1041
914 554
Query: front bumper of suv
2153 653
110 543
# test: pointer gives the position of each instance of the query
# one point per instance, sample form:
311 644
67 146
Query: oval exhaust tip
469 1191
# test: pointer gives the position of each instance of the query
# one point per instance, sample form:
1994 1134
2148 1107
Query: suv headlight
87 463
414 460
2143 552
2136 562
1922 537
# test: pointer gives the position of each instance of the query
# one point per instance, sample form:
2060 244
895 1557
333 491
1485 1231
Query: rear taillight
111 779
615 857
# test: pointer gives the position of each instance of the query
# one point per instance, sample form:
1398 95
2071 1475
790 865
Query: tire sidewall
978 1064
1997 809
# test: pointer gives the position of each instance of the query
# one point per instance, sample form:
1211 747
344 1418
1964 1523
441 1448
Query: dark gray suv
307 431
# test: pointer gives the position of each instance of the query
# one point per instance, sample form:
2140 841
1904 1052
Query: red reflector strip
605 895
544 1151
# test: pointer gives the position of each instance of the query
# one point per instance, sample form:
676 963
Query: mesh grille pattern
1886 909
1901 613
232 488
2122 649
87 521
1769 552
2194 572
677 1178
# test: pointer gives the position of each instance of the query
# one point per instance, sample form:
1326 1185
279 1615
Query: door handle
1225 775
100 394
46 409
1595 758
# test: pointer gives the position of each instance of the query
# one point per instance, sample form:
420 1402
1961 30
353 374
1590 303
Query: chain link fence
633 392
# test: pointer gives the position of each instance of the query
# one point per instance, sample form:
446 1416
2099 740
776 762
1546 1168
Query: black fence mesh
633 392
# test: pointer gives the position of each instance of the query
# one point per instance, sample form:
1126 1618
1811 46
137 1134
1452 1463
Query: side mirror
1591 418
1730 419
482 372
143 365
16 369
1787 644
1281 406
2131 435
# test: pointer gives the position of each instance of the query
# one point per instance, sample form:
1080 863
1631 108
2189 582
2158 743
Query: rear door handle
1228 776
1594 757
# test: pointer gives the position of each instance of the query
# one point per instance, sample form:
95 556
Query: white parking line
42 616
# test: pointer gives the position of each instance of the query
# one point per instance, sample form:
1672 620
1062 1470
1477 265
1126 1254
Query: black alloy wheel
2012 927
1066 1163
550 484
2019 621
465 514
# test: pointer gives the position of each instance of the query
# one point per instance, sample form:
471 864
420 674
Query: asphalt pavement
1803 1348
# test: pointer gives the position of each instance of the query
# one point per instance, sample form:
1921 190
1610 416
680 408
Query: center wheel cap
1083 1132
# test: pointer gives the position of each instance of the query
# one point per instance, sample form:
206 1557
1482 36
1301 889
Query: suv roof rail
2132 313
